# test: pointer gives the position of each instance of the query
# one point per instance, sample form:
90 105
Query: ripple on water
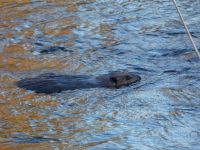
93 38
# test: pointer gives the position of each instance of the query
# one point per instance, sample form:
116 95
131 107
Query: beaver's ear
114 80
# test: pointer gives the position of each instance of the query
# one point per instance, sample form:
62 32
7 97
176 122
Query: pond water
94 37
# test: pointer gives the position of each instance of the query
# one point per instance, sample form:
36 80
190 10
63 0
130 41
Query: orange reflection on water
19 107
58 27
11 60
9 12
38 146
22 111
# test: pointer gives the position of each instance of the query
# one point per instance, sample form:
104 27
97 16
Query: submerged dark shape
42 49
32 140
55 83
53 49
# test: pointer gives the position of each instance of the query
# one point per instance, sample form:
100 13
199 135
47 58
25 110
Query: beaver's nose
137 78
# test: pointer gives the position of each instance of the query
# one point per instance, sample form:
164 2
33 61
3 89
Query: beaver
55 83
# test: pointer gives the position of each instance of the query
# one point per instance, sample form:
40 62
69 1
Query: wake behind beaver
55 83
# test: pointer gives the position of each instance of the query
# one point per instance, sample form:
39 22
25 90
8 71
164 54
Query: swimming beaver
55 83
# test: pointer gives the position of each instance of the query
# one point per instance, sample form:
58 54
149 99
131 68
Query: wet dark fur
55 83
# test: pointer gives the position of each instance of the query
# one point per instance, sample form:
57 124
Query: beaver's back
55 83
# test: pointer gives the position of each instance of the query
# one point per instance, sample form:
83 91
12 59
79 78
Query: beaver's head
119 79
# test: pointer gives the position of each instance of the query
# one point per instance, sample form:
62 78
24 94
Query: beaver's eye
127 77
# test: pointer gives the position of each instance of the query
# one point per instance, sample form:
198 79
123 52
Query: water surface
92 38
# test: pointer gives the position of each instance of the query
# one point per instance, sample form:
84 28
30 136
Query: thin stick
186 28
